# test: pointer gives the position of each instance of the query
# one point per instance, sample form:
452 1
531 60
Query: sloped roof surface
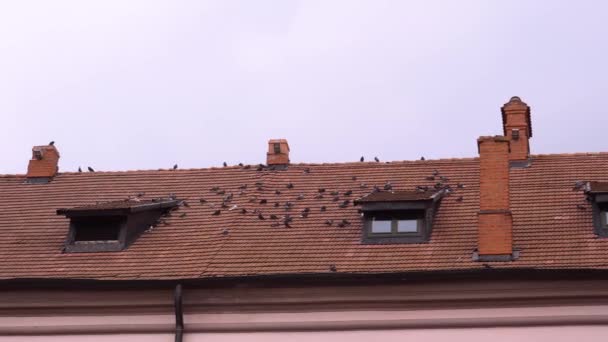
550 228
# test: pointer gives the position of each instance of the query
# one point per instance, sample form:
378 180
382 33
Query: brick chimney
278 152
44 164
494 217
518 128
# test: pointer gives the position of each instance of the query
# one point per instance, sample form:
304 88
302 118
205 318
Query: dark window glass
97 229
277 148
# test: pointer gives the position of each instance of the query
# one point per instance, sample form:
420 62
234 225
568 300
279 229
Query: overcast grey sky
145 84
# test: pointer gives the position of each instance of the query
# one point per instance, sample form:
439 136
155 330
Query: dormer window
398 217
597 193
111 226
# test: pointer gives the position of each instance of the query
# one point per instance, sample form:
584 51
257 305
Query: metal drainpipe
179 315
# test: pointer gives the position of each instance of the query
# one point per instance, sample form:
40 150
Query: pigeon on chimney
52 143
90 169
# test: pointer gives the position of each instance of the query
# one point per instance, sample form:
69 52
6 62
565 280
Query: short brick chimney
278 152
495 238
518 128
44 164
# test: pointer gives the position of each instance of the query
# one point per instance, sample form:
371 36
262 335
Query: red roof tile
548 227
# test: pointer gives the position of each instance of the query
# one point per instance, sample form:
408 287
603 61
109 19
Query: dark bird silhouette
388 186
52 143
430 178
334 193
202 200
329 222
217 212
225 231
241 164
348 193
225 164
304 214
376 189
288 205
422 158
307 170
435 172
261 217
581 207
79 169
243 211
336 198
243 187
376 159
459 199
344 204
175 167
321 190
273 217
90 169
341 225
354 178
259 183
306 210
460 185
276 204
184 203
362 159
277 192
182 215
263 201
323 208
333 268
290 185
259 168
300 197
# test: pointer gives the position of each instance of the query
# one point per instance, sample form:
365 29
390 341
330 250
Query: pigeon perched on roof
175 167
261 217
348 193
300 197
79 169
362 159
241 164
344 204
323 208
277 192
225 164
430 178
422 158
52 143
263 201
333 268
90 169
289 185
329 222
388 186
581 207
321 190
376 159
182 215
354 178
578 185
217 212
243 211
459 199
307 170
273 217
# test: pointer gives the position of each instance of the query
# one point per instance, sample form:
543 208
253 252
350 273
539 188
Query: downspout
179 315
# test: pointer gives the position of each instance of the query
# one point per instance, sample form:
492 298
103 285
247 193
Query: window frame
419 236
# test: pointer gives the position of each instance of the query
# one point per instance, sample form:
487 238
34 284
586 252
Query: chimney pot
44 164
278 152
517 126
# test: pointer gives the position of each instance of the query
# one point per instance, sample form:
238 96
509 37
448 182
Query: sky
124 85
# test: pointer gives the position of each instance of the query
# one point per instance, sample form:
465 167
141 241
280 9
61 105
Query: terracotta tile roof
549 228
598 187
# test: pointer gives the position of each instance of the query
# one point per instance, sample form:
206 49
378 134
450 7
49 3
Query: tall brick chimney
518 128
278 152
495 238
44 164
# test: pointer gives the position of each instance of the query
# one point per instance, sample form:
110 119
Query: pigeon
276 204
175 167
52 143
182 215
215 189
422 188
241 164
388 186
581 207
259 168
172 196
261 217
336 198
90 169
318 196
273 217
140 194
217 212
225 231
329 222
334 193
321 190
304 214
344 204
348 193
225 164
306 210
243 187
184 203
435 172
277 192
323 208
288 205
300 197
333 268
354 178
263 201
430 178
578 185
460 185
459 199
307 170
362 159
79 169
243 211
422 158
376 159
290 185
376 189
